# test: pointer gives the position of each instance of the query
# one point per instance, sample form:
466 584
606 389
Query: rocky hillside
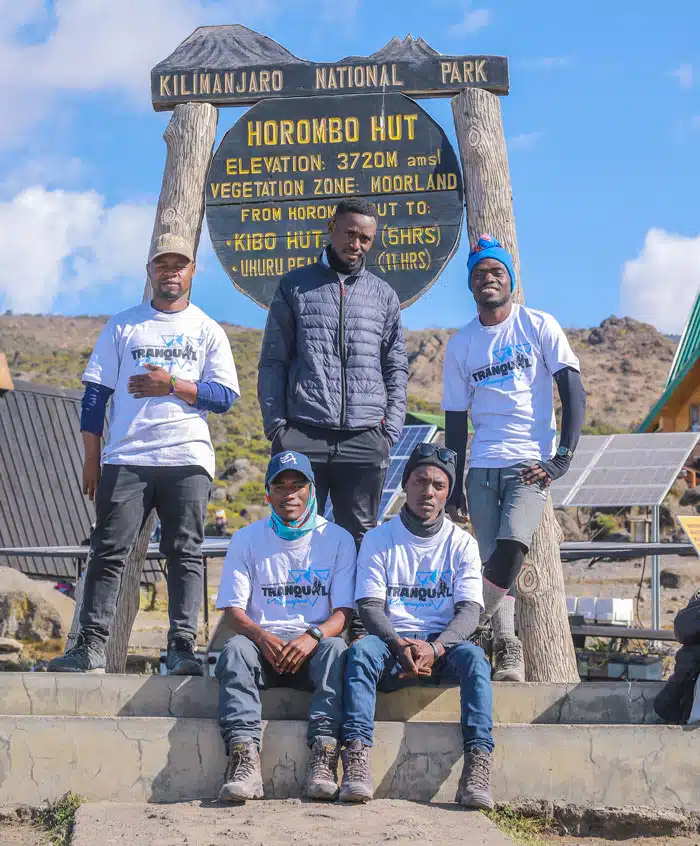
624 364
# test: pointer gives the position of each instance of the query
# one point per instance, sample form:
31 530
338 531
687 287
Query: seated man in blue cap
287 587
419 595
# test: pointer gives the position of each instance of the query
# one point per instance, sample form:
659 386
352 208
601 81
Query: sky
602 124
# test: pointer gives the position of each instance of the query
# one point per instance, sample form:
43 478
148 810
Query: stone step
164 759
68 695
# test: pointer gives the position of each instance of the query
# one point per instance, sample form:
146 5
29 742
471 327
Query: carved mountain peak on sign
226 48
409 49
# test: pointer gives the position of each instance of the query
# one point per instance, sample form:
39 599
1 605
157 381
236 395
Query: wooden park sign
279 172
236 66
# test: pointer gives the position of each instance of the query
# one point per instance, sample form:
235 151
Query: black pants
350 466
125 497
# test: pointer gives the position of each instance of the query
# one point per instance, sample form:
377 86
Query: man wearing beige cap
163 364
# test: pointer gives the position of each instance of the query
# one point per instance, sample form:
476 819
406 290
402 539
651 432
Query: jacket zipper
341 337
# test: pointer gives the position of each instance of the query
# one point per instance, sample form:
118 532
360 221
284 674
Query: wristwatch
565 452
315 633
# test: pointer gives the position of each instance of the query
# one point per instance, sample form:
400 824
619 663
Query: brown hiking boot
243 778
357 785
508 660
322 770
474 789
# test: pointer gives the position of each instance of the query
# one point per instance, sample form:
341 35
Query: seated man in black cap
419 594
287 587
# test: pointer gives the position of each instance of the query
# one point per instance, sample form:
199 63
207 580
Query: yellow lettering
254 133
371 74
277 80
384 80
304 131
455 73
264 80
217 84
320 77
445 71
164 87
467 72
204 83
319 127
359 76
479 70
228 83
253 82
332 83
394 77
183 87
270 133
215 188
335 130
286 132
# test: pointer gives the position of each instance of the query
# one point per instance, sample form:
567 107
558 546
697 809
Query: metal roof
685 358
41 500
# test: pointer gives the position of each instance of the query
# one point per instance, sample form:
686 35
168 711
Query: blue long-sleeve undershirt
211 396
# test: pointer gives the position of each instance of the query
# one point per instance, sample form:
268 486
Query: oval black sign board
280 170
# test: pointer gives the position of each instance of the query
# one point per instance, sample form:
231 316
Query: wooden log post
189 137
541 603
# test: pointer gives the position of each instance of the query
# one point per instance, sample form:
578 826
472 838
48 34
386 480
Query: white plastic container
614 612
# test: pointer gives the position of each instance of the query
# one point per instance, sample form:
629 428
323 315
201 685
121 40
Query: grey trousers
125 496
242 672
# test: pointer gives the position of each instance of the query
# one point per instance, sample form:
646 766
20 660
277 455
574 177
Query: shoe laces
356 762
324 756
181 649
241 762
479 769
82 646
510 653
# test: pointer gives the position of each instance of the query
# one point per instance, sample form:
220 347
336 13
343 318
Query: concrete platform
281 823
55 694
137 759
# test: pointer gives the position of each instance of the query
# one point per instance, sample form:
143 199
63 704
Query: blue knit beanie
488 247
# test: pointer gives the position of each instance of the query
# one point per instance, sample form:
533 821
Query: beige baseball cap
168 242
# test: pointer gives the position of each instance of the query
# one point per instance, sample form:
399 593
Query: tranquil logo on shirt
305 587
175 350
430 588
511 362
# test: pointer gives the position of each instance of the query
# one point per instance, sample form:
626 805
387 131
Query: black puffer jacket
333 355
675 701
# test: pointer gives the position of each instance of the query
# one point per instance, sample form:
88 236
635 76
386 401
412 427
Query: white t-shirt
420 579
504 375
160 431
287 586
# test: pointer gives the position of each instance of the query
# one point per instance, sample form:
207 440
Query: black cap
432 456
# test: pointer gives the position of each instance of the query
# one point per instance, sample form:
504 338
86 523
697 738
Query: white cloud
93 45
59 241
525 140
472 21
660 285
684 75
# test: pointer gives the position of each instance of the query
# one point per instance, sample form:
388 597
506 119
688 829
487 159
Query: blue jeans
242 672
371 665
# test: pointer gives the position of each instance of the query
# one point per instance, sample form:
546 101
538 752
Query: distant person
287 590
164 364
333 370
419 592
500 368
220 523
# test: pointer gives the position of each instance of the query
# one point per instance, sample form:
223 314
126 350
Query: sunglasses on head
447 456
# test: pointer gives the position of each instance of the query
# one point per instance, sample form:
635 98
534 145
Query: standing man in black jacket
333 370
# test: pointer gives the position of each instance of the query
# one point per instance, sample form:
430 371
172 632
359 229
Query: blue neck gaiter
306 523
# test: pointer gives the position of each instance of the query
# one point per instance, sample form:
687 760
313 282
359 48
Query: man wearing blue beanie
500 368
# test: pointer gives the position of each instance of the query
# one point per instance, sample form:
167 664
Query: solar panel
398 456
623 470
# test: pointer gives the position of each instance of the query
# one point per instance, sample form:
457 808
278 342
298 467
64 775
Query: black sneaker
85 657
181 660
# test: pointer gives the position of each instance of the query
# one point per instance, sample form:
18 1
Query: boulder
32 610
669 579
691 497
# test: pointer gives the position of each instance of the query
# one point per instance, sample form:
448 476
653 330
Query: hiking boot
243 779
87 656
508 660
322 771
474 789
181 660
357 783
